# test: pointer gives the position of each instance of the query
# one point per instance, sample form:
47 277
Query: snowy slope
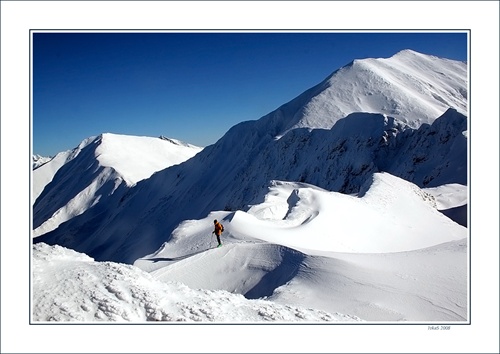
44 173
424 285
417 286
137 157
79 179
70 286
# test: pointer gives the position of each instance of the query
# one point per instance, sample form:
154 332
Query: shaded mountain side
457 214
357 146
43 174
73 177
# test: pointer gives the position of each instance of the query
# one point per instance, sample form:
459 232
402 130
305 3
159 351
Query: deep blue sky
189 86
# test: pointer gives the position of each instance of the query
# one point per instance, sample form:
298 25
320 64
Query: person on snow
218 228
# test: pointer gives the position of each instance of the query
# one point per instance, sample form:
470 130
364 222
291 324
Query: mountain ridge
341 93
104 165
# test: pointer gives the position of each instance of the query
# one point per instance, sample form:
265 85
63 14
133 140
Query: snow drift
70 286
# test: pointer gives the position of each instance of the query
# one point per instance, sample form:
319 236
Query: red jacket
218 228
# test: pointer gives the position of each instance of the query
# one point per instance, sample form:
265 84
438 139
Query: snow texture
70 286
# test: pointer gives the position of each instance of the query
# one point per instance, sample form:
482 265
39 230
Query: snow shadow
174 259
283 273
457 214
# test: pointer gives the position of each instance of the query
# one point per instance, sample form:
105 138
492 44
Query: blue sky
189 86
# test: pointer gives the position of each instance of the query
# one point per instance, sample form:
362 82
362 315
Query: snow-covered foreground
70 286
426 285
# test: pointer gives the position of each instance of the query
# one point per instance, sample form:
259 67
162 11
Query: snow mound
69 286
251 269
424 285
385 217
449 195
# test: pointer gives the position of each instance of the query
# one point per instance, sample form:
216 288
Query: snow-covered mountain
329 194
412 87
78 179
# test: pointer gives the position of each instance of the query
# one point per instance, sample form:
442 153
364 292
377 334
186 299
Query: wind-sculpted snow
369 256
252 269
70 286
391 211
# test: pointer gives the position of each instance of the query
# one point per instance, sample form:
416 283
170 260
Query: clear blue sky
189 86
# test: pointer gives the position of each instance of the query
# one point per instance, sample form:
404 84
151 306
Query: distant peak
175 141
409 53
162 137
172 141
403 53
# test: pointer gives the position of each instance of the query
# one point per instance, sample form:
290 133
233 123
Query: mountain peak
409 53
413 87
101 168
